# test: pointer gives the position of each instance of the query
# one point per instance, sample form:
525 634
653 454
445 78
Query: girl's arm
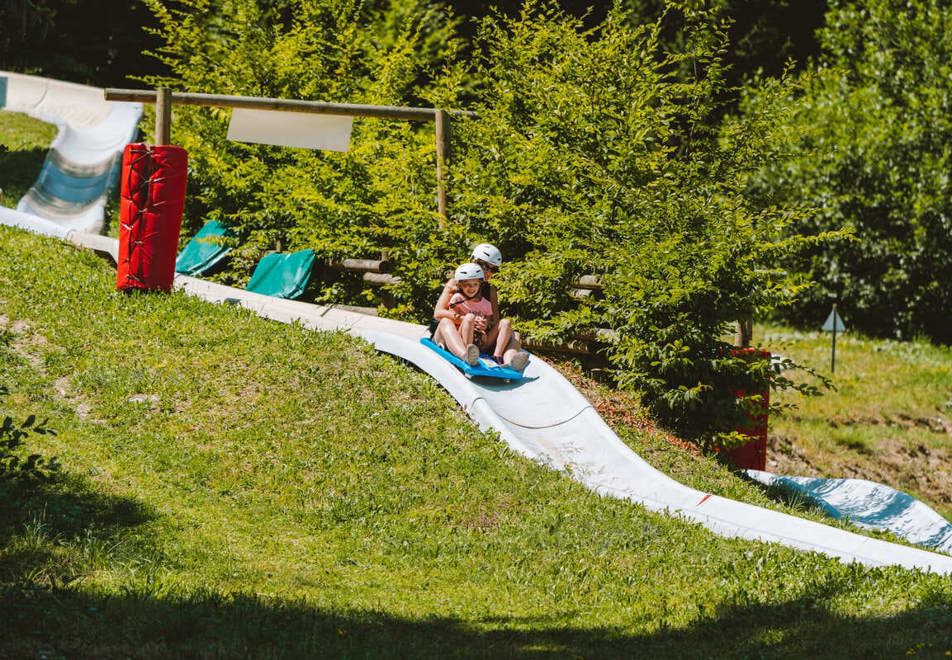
442 309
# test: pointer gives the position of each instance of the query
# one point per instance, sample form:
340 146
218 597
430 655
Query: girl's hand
480 323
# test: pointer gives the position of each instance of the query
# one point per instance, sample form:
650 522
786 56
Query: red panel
152 197
753 455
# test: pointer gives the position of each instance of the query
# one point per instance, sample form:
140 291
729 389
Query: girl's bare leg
467 328
503 337
514 348
447 335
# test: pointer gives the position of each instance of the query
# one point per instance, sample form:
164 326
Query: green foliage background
592 153
871 136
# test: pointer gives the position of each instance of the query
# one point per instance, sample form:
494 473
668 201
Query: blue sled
487 367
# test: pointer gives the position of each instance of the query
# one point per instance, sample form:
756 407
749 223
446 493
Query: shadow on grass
43 614
50 531
138 624
19 169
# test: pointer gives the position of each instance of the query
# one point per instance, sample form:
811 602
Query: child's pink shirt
463 306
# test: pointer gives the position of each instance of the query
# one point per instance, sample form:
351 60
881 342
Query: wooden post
163 115
744 333
442 155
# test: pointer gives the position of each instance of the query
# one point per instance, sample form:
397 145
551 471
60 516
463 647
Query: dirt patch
63 392
25 342
924 469
936 424
485 519
920 470
784 456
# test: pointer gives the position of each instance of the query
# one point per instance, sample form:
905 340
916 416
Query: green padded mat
203 251
282 275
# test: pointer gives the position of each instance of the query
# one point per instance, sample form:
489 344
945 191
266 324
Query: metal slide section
83 160
545 418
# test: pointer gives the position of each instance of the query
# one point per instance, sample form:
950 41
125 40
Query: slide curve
546 419
83 160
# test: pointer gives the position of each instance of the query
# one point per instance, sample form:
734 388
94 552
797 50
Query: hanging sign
291 129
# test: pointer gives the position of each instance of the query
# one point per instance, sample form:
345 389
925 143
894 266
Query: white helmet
469 271
488 253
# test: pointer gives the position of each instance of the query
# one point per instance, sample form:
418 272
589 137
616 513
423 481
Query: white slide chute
84 158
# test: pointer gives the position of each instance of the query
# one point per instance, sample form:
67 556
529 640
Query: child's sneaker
519 361
472 355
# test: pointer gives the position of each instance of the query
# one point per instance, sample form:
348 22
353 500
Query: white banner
291 129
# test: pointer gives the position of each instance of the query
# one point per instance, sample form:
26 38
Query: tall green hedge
591 153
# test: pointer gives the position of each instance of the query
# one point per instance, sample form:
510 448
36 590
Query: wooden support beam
288 105
743 333
442 157
362 265
572 346
587 282
163 115
381 279
580 294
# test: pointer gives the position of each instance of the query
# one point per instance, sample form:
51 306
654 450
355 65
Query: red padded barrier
152 197
753 455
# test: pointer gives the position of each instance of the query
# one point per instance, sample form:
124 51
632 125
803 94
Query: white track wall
83 159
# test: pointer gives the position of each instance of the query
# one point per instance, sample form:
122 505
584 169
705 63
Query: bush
594 154
871 138
381 193
591 153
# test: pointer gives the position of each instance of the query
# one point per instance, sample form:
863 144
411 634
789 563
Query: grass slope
889 419
236 487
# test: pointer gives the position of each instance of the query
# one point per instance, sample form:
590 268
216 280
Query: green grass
889 418
24 142
234 487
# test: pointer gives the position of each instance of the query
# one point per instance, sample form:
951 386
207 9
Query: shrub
13 465
591 153
378 195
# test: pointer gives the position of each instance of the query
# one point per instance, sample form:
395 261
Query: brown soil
922 471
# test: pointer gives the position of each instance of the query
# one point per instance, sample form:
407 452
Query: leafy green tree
872 139
378 195
593 153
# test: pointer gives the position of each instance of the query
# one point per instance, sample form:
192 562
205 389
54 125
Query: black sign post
833 324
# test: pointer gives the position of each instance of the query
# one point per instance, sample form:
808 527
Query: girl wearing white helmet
490 333
462 325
